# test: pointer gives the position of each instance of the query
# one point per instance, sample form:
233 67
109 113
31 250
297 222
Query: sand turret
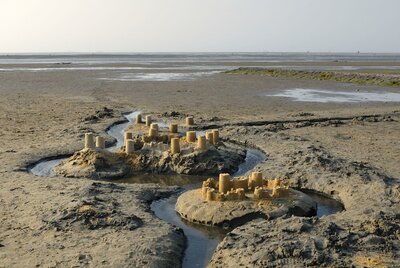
153 132
173 128
191 136
89 141
210 194
175 146
154 126
148 120
224 183
189 121
127 136
100 142
210 137
256 179
130 146
201 143
215 133
139 119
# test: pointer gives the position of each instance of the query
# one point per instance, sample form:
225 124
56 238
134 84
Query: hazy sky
203 25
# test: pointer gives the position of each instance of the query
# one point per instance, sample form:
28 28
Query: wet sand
356 161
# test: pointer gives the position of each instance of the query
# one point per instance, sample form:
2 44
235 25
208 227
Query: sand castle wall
228 189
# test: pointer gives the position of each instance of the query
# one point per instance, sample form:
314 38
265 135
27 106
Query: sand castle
228 201
228 189
154 147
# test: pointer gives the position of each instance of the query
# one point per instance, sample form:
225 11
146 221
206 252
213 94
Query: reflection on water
326 205
253 157
325 96
122 68
45 167
183 76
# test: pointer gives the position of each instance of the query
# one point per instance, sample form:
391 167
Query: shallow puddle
326 96
326 205
161 77
45 167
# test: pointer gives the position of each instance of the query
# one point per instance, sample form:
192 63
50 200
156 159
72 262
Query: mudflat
347 150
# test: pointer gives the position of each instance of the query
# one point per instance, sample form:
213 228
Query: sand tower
191 136
189 121
210 137
100 142
215 133
201 143
224 183
130 146
256 179
148 120
139 119
173 128
89 141
175 146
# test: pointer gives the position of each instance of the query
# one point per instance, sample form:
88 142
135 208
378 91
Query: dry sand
46 113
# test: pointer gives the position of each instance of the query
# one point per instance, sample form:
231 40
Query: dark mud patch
99 114
93 209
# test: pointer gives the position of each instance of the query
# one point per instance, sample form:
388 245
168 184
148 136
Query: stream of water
201 240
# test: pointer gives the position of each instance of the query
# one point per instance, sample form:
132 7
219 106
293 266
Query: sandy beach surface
347 150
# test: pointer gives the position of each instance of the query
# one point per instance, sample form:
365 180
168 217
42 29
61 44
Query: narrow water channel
201 240
45 167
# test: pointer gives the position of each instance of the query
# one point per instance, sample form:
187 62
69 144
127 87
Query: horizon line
189 52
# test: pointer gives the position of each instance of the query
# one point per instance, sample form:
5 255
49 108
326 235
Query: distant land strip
379 79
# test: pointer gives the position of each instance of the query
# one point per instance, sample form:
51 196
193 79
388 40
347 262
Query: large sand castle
150 148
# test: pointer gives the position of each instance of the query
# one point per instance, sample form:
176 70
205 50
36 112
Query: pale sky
199 26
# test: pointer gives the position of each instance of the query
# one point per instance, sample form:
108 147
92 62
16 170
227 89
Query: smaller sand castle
148 147
228 189
233 201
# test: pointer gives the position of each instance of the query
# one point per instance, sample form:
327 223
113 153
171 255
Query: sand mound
93 163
